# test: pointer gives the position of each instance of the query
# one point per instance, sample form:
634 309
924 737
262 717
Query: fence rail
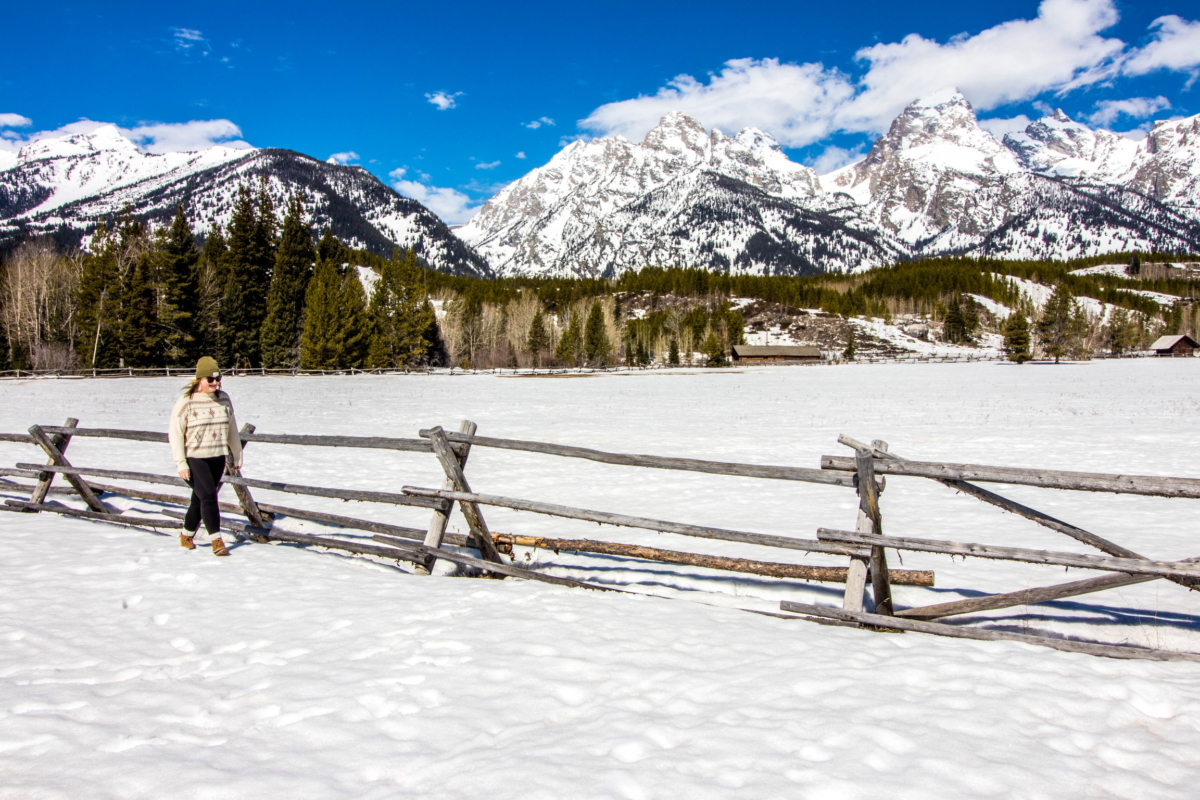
867 600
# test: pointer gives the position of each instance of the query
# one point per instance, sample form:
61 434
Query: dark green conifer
570 344
712 349
330 248
179 312
280 335
321 341
851 346
538 338
356 328
1017 338
400 317
596 347
1062 326
673 353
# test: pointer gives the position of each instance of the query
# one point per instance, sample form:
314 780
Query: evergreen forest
267 292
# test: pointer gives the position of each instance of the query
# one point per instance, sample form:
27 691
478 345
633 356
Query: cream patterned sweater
203 426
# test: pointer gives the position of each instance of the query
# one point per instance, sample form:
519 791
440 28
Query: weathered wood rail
868 600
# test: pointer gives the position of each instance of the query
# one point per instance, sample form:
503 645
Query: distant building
1178 345
754 354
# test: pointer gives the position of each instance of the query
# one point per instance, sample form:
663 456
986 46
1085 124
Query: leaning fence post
445 454
58 459
245 499
61 441
437 524
868 491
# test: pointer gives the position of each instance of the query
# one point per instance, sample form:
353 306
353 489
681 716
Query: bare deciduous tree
37 292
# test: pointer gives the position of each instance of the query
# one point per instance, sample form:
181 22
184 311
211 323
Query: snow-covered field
132 668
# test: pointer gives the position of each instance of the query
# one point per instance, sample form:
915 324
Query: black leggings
206 480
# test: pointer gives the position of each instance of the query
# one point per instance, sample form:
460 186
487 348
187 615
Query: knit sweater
203 426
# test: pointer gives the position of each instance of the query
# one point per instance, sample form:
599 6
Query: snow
1103 269
132 668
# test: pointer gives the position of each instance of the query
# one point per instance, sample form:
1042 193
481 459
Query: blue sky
449 102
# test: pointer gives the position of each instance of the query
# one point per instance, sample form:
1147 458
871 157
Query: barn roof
1167 342
777 350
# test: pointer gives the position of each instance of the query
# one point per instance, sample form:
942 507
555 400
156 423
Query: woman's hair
191 387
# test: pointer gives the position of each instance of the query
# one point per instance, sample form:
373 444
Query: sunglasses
214 380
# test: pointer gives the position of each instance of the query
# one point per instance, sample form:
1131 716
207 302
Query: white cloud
450 205
189 40
795 102
539 122
520 155
1107 111
1018 60
344 158
834 158
1059 50
14 121
155 137
1176 46
488 165
442 100
998 126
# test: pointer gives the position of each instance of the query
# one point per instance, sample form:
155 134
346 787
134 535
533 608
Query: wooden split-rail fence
867 600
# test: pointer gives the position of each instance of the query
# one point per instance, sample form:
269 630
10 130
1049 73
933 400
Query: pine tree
538 338
851 346
570 344
402 323
1017 338
954 327
673 353
712 349
96 302
321 342
285 300
179 312
1135 266
1123 332
210 281
330 248
140 343
1059 329
597 348
356 328
240 326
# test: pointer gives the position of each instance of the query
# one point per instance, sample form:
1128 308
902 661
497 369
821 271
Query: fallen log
964 632
624 520
657 462
1025 597
1048 478
1133 566
902 577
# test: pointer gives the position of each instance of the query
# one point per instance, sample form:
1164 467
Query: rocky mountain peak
677 133
105 138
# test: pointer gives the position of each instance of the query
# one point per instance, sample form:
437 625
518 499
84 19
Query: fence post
58 459
454 474
868 490
245 499
437 524
61 441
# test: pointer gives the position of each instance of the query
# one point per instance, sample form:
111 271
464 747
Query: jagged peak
946 96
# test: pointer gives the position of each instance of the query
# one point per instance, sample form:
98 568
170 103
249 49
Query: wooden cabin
783 353
1179 345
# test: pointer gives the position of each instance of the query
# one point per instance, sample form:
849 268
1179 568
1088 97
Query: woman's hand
186 474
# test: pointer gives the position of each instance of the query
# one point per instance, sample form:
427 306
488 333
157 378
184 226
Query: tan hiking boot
219 547
186 542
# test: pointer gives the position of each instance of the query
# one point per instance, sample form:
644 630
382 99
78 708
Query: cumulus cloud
998 126
344 158
1176 46
1058 51
450 205
443 100
796 103
1107 111
152 137
14 121
520 155
834 158
488 165
539 122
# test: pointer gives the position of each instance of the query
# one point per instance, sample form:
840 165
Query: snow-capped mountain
936 183
79 180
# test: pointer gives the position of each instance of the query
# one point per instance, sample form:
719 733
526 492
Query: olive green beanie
207 368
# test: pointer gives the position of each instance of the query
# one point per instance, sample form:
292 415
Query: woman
204 437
